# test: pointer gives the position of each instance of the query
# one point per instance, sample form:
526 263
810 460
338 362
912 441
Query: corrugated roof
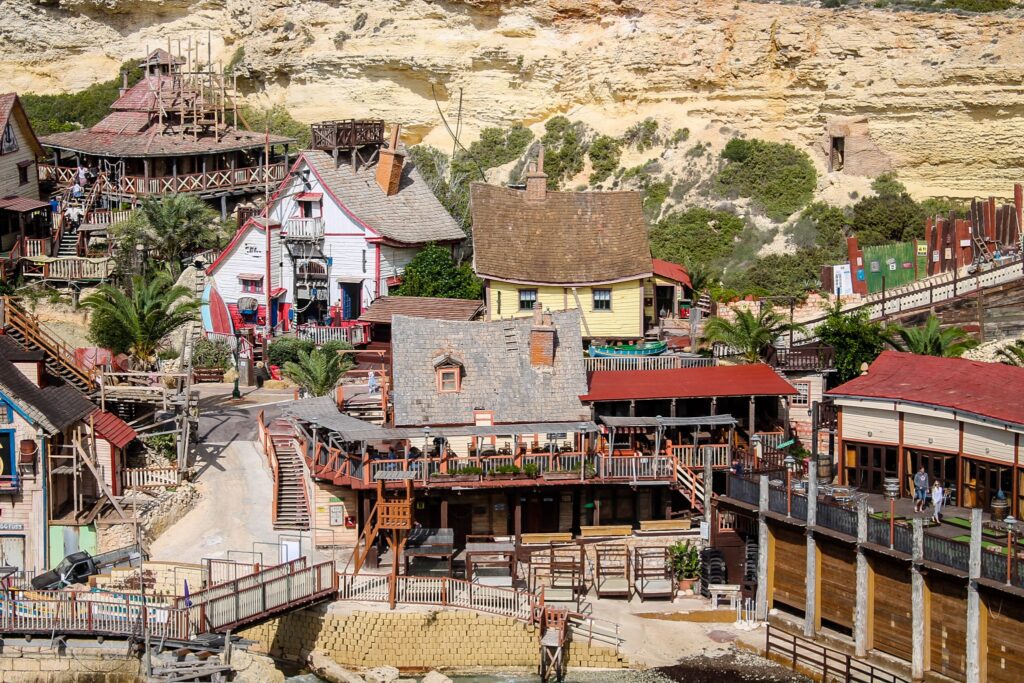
990 390
722 380
410 216
112 428
381 310
566 238
671 271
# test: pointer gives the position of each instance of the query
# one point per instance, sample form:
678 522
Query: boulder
381 674
436 677
320 663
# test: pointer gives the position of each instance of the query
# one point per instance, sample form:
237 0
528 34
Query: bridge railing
113 614
440 591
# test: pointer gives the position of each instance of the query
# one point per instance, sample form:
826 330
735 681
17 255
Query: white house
335 238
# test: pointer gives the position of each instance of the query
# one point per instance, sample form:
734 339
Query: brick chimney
537 180
389 165
124 83
542 339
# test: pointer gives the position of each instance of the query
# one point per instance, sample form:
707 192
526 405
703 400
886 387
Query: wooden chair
652 574
611 571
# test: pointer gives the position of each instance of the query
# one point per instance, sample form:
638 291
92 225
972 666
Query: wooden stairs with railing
554 625
691 486
59 355
291 501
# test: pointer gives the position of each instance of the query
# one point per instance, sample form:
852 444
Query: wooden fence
666 362
354 333
438 591
148 477
830 665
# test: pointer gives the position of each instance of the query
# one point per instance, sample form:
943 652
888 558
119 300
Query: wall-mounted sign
922 249
876 267
337 515
965 243
949 253
12 526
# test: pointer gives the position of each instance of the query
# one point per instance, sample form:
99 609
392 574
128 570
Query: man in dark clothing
920 490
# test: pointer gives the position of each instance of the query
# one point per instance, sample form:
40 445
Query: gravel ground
730 665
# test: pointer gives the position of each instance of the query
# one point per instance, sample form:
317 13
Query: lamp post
236 393
891 486
1011 528
790 463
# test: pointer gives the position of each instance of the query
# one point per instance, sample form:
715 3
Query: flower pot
506 475
561 476
686 585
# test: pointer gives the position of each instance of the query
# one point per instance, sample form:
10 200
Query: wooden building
962 420
584 251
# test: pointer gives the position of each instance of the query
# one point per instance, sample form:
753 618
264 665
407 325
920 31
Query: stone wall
157 516
415 640
36 664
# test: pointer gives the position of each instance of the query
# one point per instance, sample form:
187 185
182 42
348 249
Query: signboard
555 436
922 249
876 267
705 531
337 513
842 282
965 243
12 526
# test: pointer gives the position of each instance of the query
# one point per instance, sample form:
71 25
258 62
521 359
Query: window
448 380
252 286
527 298
602 299
803 397
23 172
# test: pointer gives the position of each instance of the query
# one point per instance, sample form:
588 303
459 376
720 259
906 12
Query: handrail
440 591
800 654
60 350
270 453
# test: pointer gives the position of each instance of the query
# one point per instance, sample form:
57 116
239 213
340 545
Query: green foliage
750 334
287 350
778 177
780 274
433 272
980 5
604 153
317 372
1012 354
886 185
138 322
506 469
684 558
930 339
209 353
164 445
336 345
531 470
654 195
468 469
170 226
563 150
280 122
885 219
70 111
935 206
855 338
495 147
679 136
642 135
822 226
697 235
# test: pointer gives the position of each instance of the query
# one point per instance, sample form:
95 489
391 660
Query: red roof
670 271
22 204
112 428
985 389
722 380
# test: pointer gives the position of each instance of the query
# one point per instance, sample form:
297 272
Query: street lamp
891 487
236 393
1011 528
790 464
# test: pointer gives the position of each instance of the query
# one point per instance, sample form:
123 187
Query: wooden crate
666 525
606 530
544 539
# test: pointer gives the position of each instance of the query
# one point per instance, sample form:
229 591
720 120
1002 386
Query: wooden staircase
59 355
691 485
290 501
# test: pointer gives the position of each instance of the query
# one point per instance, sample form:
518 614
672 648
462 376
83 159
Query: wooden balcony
70 269
304 229
347 134
211 183
809 358
351 331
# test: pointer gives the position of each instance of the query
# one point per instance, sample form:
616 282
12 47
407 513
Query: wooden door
892 616
460 519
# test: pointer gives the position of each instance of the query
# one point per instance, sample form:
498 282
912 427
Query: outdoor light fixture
236 392
790 465
891 487
1011 529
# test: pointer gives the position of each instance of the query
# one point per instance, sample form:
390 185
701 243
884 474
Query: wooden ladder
554 625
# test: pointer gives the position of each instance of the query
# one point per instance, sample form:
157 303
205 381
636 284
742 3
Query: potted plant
685 561
569 473
531 470
505 472
469 473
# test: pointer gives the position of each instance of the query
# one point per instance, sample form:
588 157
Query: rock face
941 95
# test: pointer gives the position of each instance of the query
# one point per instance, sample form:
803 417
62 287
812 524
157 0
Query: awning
250 276
704 421
309 196
276 292
22 204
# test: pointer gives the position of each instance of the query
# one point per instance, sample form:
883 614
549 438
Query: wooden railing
666 362
35 336
71 269
718 452
438 591
149 477
809 358
304 228
947 552
149 387
351 331
37 247
837 518
247 177
330 135
270 451
801 655
108 217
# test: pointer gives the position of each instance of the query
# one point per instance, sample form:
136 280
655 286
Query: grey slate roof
55 407
498 375
410 216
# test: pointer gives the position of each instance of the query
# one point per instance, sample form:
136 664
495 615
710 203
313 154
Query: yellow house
571 250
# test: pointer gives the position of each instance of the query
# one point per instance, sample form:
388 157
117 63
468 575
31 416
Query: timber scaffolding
361 138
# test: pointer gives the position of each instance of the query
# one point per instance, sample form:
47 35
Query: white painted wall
988 442
870 424
934 432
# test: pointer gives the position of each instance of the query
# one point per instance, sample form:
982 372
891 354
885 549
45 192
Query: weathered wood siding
838 573
892 607
623 321
931 431
988 442
948 637
790 564
325 496
1004 635
870 424
10 180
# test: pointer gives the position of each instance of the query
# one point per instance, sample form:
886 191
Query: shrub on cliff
563 150
778 177
780 274
70 111
604 154
697 235
280 122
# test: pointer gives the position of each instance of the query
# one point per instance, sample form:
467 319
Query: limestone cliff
942 94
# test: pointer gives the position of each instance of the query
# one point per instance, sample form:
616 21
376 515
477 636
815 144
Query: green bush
70 111
655 194
531 469
821 226
885 219
642 135
697 235
684 558
287 349
506 469
680 135
778 177
780 274
886 185
280 121
604 154
980 5
212 354
433 272
563 150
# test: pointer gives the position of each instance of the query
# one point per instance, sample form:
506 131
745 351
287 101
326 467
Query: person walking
938 498
920 490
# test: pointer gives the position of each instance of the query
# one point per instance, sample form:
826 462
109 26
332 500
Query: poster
337 515
842 282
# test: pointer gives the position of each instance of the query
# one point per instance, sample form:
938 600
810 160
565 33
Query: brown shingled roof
381 310
10 105
565 238
152 143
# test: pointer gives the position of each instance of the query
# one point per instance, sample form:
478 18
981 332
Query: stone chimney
537 180
124 83
389 165
542 339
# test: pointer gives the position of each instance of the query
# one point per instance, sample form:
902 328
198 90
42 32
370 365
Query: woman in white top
938 498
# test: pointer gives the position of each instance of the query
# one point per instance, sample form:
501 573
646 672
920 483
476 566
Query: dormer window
449 374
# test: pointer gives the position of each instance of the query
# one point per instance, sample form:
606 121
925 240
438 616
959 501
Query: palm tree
318 371
750 334
930 339
138 322
702 278
1012 354
169 227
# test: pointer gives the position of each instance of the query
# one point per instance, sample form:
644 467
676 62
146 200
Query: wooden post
862 598
750 419
975 646
761 598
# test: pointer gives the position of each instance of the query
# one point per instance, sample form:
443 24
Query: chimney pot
389 165
536 179
537 313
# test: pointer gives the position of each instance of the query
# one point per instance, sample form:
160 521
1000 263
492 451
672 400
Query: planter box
501 476
454 478
617 530
561 476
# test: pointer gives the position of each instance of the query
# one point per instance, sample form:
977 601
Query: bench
666 525
724 590
611 530
207 375
544 539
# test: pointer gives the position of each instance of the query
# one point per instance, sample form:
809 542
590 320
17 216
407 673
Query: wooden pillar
224 209
517 517
751 427
145 168
632 408
672 408
444 513
714 405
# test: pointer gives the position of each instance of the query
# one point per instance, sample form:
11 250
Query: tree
855 338
750 334
930 339
169 227
138 322
1012 354
886 185
778 177
433 272
780 274
318 371
696 235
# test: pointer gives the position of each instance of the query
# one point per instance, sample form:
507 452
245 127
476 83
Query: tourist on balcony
82 176
920 490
